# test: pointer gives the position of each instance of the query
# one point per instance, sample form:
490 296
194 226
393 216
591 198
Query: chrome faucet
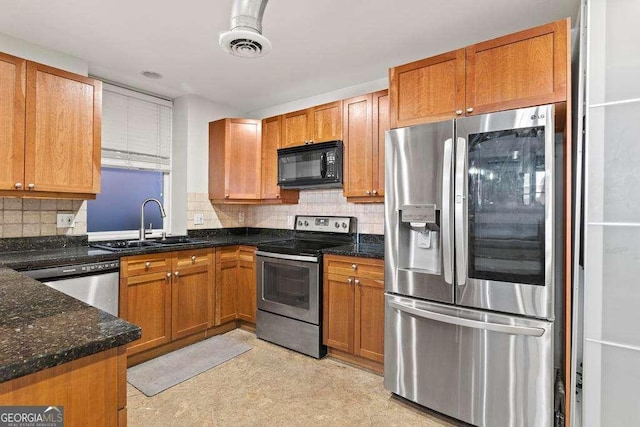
143 232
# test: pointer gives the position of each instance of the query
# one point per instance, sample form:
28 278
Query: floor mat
163 372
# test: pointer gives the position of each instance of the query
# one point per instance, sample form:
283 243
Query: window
136 163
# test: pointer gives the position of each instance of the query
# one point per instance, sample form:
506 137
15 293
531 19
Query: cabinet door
326 122
358 146
519 70
12 105
63 130
149 306
246 292
271 134
192 292
242 159
369 319
337 323
226 280
295 128
428 90
380 126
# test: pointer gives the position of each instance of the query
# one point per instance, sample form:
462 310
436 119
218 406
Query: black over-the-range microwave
311 166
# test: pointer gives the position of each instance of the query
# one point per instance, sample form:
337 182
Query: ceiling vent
245 37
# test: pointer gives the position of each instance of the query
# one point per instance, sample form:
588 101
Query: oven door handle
287 257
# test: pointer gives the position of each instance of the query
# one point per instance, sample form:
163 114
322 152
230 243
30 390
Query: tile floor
273 386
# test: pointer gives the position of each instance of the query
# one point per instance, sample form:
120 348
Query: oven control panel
327 224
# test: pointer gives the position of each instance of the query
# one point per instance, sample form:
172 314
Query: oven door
289 285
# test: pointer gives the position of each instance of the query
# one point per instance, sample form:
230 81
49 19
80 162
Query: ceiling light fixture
152 75
245 38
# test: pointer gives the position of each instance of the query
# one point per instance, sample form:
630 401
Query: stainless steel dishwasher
94 283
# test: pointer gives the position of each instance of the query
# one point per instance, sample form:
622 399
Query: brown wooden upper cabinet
317 124
50 131
271 141
366 118
235 153
518 70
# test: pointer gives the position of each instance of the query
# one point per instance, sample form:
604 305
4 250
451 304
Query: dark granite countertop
41 327
365 250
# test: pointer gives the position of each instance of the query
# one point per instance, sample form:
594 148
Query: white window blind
136 130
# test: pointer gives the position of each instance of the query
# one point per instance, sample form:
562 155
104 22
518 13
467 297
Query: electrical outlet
240 216
198 219
290 220
64 220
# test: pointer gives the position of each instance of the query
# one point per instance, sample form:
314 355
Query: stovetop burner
313 234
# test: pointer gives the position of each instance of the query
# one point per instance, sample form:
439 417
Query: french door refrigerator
469 266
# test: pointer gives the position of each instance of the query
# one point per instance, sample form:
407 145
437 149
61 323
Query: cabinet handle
147 264
177 273
458 112
354 266
18 185
193 258
31 186
469 110
168 275
349 280
357 281
375 192
368 192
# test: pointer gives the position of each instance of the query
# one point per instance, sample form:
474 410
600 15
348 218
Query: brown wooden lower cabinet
353 307
91 389
235 284
246 288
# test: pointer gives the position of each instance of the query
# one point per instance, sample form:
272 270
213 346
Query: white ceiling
318 46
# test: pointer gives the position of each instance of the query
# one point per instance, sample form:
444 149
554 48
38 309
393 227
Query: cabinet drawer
353 266
145 264
247 254
192 258
355 280
227 253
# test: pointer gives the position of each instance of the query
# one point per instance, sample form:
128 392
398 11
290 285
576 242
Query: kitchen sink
176 240
123 245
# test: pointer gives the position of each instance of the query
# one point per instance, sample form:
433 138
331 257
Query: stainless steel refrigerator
469 266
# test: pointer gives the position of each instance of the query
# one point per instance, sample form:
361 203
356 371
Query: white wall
32 52
323 98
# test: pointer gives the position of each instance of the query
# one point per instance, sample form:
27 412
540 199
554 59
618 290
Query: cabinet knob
147 264
354 266
349 280
226 196
469 110
368 192
193 258
18 185
357 281
375 192
177 273
169 275
458 112
311 141
31 186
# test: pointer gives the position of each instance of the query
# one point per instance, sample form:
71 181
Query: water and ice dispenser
419 248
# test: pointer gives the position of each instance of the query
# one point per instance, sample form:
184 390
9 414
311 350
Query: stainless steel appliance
311 166
94 283
469 266
289 283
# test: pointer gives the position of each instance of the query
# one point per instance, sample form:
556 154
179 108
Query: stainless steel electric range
289 282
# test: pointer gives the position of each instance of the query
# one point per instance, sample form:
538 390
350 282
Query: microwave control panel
331 165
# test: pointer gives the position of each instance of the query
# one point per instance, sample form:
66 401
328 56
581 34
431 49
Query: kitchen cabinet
365 118
317 124
353 309
235 153
235 284
246 288
523 69
192 299
169 295
50 131
271 142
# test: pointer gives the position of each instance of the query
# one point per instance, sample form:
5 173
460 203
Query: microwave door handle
323 165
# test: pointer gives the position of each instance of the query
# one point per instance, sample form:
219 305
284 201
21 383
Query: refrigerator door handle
447 222
461 211
469 323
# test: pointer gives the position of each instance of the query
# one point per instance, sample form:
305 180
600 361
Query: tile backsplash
319 202
37 217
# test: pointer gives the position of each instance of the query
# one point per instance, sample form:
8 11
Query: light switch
198 219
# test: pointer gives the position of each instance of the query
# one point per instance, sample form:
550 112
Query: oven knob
344 225
337 224
306 223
